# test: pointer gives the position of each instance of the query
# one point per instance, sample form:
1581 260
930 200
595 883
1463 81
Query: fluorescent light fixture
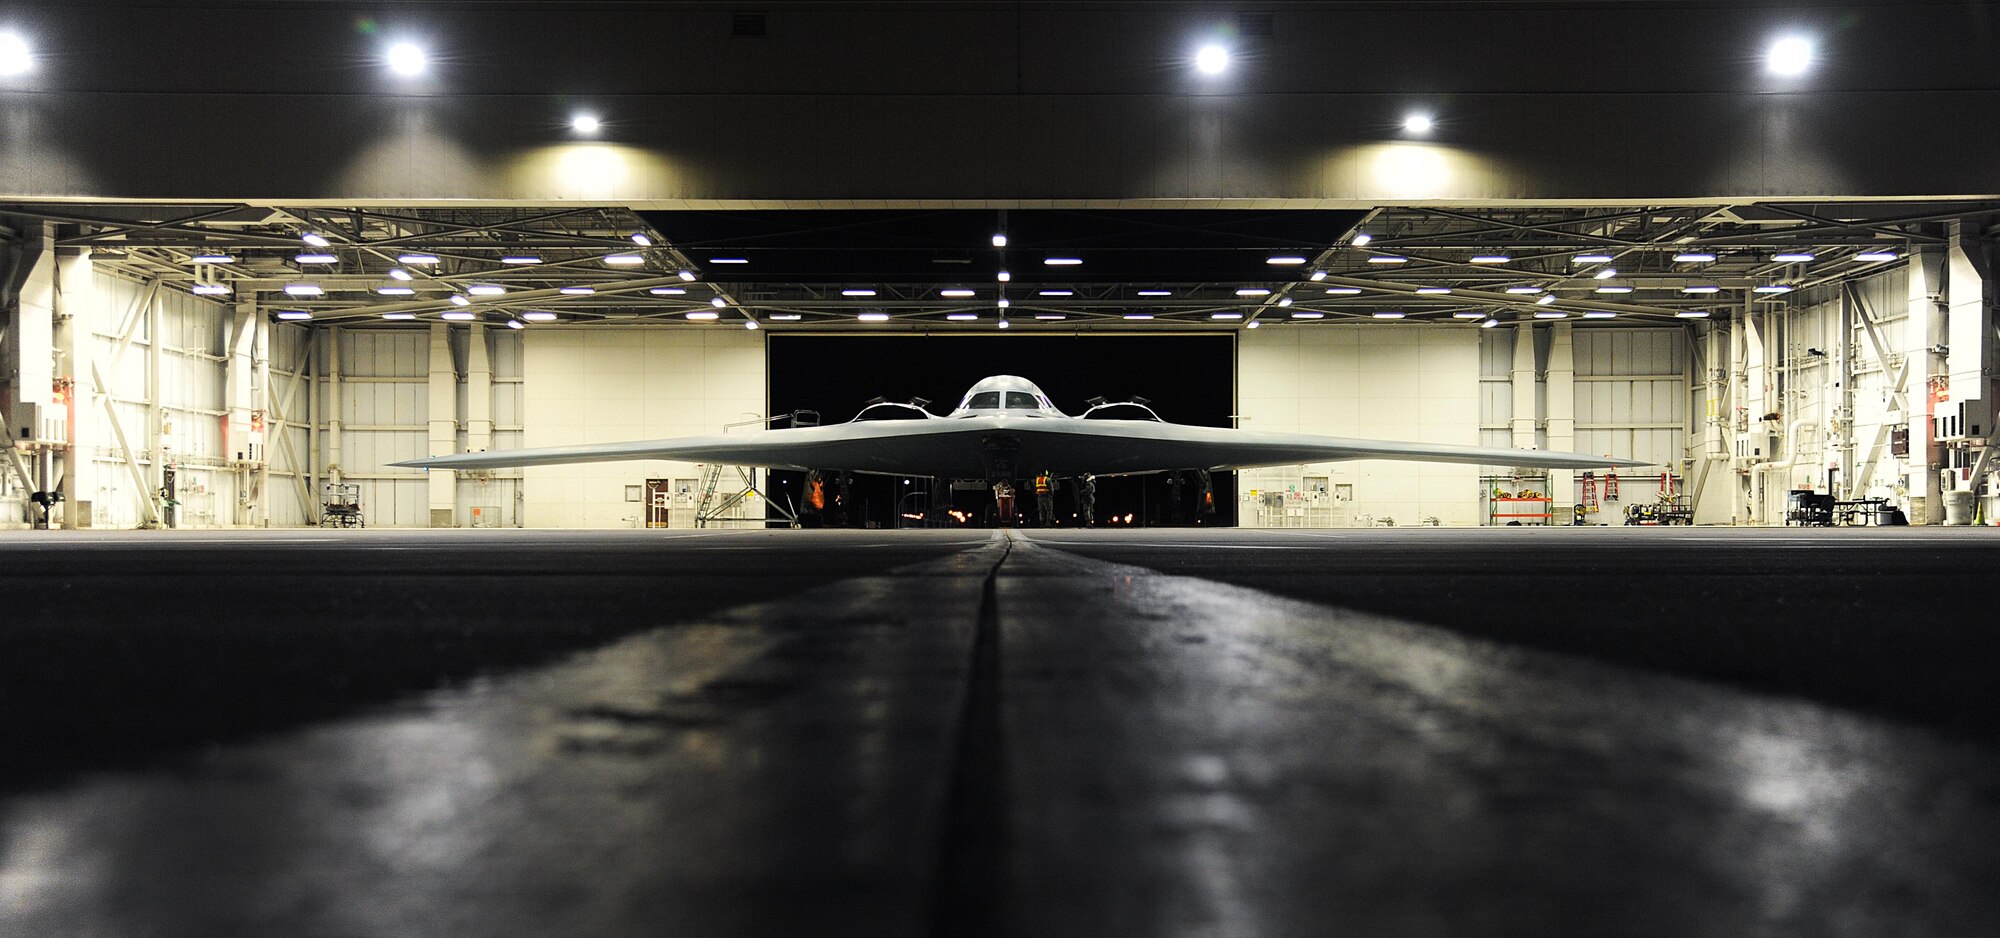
539 315
1789 56
399 317
1417 123
667 291
1211 59
1318 275
1138 317
1057 292
1591 259
1050 317
1607 273
729 260
315 239
787 317
1284 301
1434 291
396 291
1702 288
1600 314
1694 258
398 273
1360 238
1062 261
1003 276
417 260
1388 315
873 317
1772 288
1225 315
1524 290
687 275
1004 303
1613 289
229 259
1876 256
702 315
1692 314
641 239
1546 299
211 289
304 289
294 314
1490 323
316 259
1002 324
750 324
516 324
1792 257
1156 293
962 317
1550 314
999 241
1287 260
407 58
15 56
457 300
1307 314
576 291
486 289
1253 291
1491 259
857 293
1252 324
1342 291
458 315
625 260
717 302
521 260
1387 259
955 293
1468 315
585 123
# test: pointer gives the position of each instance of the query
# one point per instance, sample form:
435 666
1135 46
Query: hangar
252 255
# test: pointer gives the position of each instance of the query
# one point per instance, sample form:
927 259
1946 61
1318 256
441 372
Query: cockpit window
984 400
1022 400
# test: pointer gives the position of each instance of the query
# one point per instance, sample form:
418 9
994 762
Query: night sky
1187 378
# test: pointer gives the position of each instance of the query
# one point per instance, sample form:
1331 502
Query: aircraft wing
964 447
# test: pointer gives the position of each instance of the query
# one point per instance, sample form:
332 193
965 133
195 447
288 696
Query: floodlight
15 56
1789 56
999 241
584 123
407 58
1417 123
1211 59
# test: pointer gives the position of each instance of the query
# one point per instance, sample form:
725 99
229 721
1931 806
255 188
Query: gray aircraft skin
1005 428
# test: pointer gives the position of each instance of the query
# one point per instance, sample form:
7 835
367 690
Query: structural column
1560 391
1970 321
1526 412
74 307
35 422
243 428
1923 335
478 391
443 423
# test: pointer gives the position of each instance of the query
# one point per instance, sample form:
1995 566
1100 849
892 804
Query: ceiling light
1058 293
1138 316
1607 273
1692 314
667 291
1591 259
1050 317
399 317
1550 314
1491 259
304 289
750 324
1003 276
787 317
1434 290
1524 290
1225 315
687 275
1546 299
458 315
1388 315
1387 259
1360 238
417 260
316 259
625 260
999 241
1211 59
211 289
486 289
1490 323
1702 288
398 273
585 123
1062 261
873 317
1318 275
1252 324
294 314
1253 291
955 293
1789 56
539 315
1002 323
641 239
1792 257
516 324
729 260
1284 301
576 291
857 293
1156 293
407 58
1468 315
225 259
717 302
1875 256
457 300
15 56
1772 288
1285 260
1600 314
962 317
396 291
1342 291
702 315
316 240
1608 288
1693 258
1417 123
1307 314
1004 303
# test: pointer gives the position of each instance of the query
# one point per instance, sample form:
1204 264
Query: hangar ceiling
939 269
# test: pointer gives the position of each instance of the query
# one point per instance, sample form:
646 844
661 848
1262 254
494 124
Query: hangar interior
1743 351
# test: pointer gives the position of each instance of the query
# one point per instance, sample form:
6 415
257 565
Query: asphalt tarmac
1374 732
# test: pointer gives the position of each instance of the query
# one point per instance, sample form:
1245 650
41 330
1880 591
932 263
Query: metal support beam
443 422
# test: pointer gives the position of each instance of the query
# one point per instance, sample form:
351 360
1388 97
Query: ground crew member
1045 499
1087 500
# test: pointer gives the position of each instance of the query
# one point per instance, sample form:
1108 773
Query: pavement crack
969 889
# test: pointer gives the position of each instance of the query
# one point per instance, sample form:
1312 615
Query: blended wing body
1007 427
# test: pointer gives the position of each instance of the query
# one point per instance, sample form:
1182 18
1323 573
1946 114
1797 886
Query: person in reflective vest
1045 500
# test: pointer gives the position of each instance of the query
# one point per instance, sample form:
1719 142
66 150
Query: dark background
1187 378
